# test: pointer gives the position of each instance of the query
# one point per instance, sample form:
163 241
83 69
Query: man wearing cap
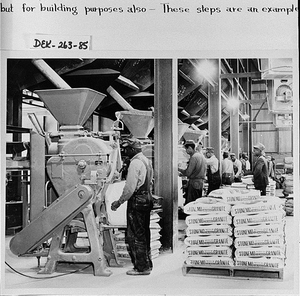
137 191
195 172
260 169
237 168
213 172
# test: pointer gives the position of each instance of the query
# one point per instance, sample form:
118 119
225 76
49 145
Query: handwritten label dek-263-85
51 42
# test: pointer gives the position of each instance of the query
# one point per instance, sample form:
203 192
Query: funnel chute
140 123
71 106
182 127
194 135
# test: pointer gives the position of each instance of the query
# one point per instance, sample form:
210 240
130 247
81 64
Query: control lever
39 128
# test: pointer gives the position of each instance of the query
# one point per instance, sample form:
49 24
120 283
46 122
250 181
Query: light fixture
233 104
208 70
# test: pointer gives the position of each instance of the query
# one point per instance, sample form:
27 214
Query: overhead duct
276 68
50 73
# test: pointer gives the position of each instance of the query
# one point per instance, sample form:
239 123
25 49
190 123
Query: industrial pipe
120 100
195 127
50 74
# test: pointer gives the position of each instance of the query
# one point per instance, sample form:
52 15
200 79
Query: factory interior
65 120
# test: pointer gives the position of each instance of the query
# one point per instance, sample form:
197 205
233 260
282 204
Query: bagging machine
80 165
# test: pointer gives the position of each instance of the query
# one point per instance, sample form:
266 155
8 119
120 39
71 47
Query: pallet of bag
259 234
209 233
271 188
288 185
234 196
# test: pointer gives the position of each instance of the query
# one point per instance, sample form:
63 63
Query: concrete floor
165 279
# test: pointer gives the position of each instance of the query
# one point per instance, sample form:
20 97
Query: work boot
136 272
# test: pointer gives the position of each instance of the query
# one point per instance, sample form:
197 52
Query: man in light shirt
227 172
213 172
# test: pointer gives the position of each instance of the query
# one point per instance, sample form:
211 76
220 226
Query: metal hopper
194 135
140 123
71 107
182 127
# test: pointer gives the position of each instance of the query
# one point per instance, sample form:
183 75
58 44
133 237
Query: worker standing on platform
137 191
260 169
195 171
213 172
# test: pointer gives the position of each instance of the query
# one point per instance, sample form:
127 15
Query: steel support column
250 125
234 124
166 145
245 137
214 114
245 145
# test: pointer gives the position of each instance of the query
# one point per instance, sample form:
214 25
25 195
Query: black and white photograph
149 147
214 163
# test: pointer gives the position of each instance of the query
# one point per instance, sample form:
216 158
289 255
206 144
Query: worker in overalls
260 169
137 191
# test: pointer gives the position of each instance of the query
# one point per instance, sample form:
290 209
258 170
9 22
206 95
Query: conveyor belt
57 215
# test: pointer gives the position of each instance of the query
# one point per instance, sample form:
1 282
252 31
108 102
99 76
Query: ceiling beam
187 78
252 101
91 72
254 75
